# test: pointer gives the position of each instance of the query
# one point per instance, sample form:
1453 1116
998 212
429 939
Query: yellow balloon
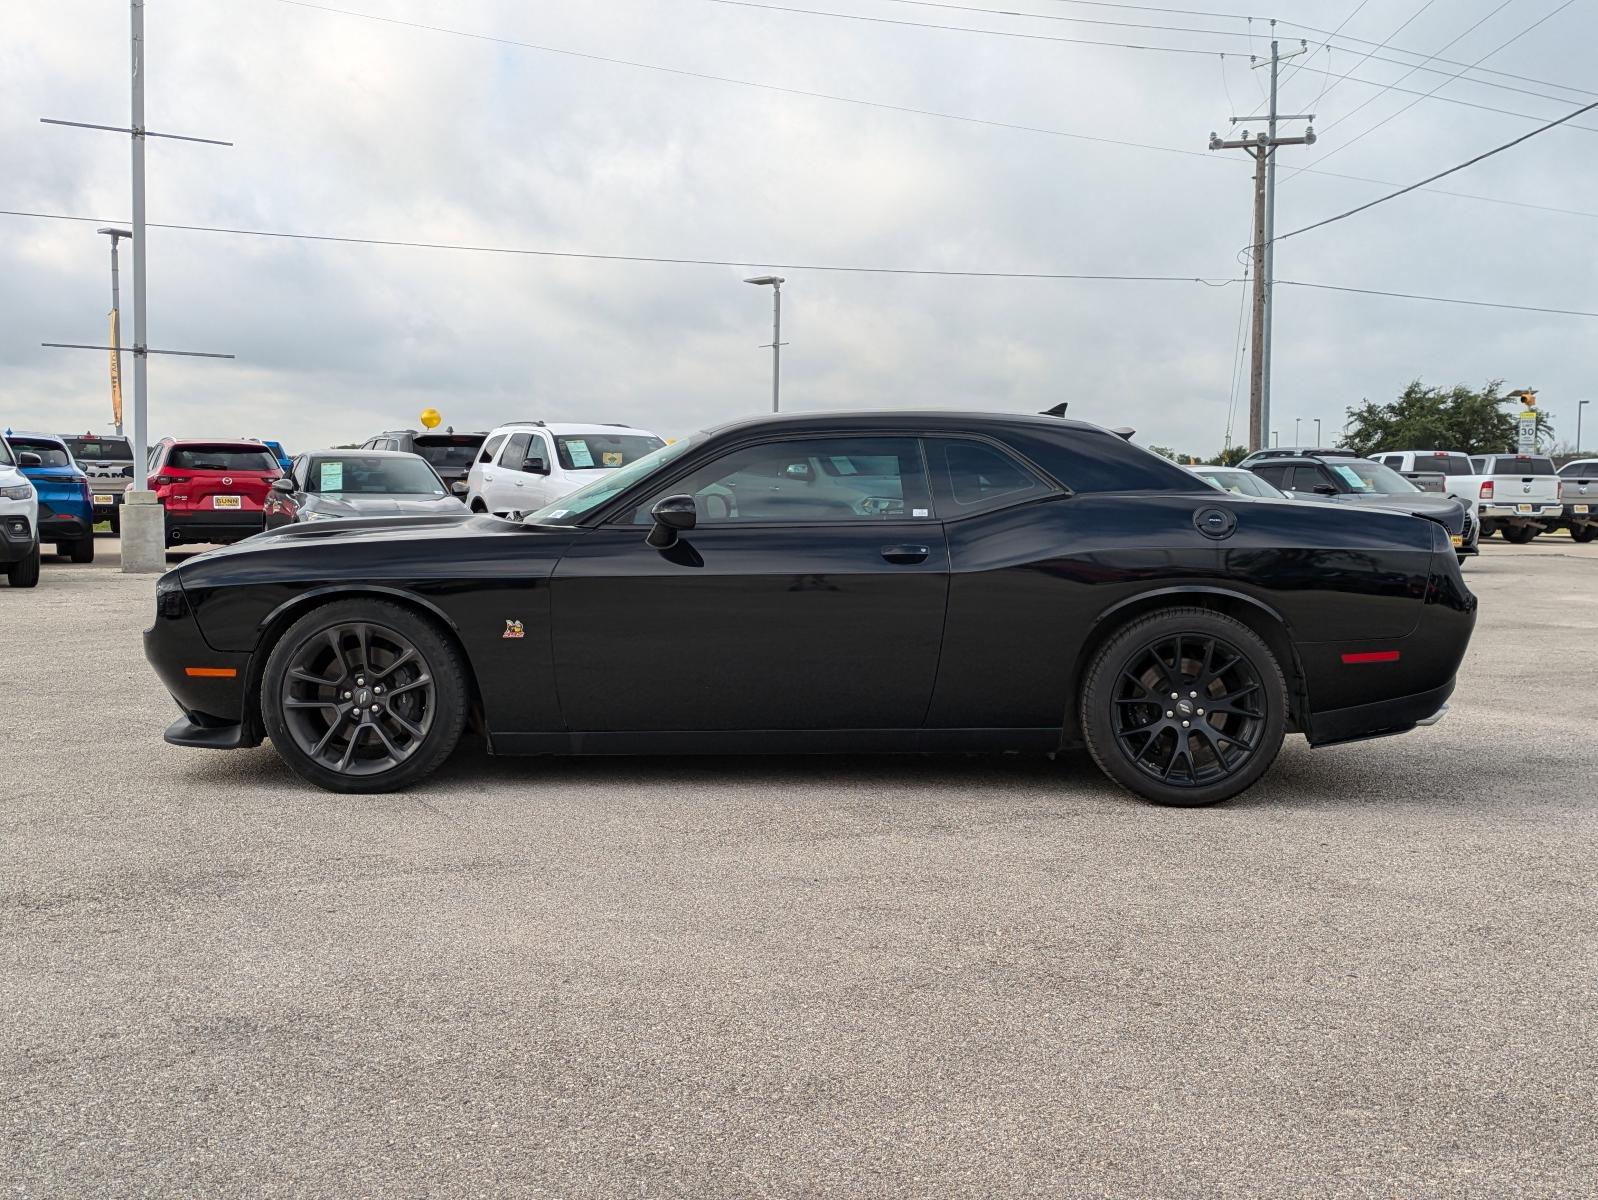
430 418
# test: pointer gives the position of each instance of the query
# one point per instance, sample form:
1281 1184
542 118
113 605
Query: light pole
774 282
1580 404
116 327
1276 437
1297 421
1317 432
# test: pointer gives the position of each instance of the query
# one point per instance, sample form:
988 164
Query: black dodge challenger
923 582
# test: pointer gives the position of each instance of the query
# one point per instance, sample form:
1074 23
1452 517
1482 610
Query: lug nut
346 695
1169 713
1184 724
373 708
1201 712
1194 695
378 689
360 681
1173 696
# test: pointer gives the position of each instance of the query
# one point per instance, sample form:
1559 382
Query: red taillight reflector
1487 490
211 672
1372 656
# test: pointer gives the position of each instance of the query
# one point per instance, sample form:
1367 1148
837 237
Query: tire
1583 533
1125 693
116 522
347 641
1521 535
25 574
62 549
82 550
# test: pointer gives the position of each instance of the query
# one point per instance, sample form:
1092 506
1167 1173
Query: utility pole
1263 148
143 535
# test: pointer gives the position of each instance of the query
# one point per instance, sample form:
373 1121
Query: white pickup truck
1514 493
1430 470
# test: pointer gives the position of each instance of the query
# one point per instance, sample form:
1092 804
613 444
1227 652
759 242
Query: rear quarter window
1091 460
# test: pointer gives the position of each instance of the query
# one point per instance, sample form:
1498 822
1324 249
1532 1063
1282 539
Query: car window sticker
580 454
611 458
1351 477
332 477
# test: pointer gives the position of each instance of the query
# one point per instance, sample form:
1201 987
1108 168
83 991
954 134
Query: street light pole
1580 404
1276 438
774 282
1317 432
116 326
1297 421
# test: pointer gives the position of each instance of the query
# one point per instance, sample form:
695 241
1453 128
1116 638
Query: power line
883 105
1330 287
1004 33
1000 12
743 263
1180 12
1328 85
637 258
1358 8
1433 178
1446 82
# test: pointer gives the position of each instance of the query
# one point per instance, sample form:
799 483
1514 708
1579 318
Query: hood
383 506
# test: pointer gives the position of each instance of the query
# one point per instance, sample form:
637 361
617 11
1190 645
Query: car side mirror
26 458
673 515
284 485
1325 489
535 466
459 487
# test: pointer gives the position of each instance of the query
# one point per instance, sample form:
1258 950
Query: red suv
212 491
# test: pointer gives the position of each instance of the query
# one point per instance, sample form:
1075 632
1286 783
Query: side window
1273 475
1306 478
807 482
490 448
971 477
515 451
299 471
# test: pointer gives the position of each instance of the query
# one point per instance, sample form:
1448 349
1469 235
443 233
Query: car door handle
905 554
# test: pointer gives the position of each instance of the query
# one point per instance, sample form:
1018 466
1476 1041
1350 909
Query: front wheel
25 574
364 696
1184 707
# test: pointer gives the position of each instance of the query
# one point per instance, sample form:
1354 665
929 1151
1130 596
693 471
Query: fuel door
1216 523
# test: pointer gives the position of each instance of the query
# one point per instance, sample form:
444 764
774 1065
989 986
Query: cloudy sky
348 126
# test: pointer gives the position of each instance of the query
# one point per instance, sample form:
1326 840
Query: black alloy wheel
364 696
1185 707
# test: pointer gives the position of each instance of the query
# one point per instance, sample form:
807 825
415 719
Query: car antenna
1057 411
1122 431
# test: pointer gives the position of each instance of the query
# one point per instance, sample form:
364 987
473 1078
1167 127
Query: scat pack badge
513 629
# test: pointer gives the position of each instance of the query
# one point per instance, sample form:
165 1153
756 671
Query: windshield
598 451
362 475
1373 479
222 458
1240 483
50 453
449 452
1580 470
93 449
569 510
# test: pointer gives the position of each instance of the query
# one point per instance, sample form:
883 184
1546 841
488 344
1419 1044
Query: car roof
1196 467
357 452
12 435
215 443
910 420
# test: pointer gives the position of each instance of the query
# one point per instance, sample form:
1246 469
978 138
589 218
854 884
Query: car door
505 489
809 596
536 490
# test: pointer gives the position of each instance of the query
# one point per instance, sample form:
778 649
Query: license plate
102 501
1457 540
225 502
1581 508
1525 508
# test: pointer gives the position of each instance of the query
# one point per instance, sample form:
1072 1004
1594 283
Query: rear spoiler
1059 411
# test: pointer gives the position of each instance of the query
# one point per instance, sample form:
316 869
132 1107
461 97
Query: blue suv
66 512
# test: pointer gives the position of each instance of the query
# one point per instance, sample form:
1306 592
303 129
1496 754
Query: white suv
525 465
19 522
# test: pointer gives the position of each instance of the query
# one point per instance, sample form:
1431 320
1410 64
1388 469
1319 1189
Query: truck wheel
25 574
1184 707
1583 533
82 550
1521 534
116 522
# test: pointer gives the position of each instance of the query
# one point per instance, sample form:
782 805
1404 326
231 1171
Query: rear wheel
1521 534
364 696
1184 707
82 550
116 522
1584 533
25 574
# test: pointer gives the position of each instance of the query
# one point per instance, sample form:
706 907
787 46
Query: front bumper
210 686
16 537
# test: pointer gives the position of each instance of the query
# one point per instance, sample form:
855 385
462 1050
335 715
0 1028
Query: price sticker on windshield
332 477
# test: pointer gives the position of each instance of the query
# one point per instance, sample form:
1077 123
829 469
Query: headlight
22 491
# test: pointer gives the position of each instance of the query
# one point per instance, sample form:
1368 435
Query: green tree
1433 418
1230 456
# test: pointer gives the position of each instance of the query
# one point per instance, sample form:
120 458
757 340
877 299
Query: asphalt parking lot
1376 974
